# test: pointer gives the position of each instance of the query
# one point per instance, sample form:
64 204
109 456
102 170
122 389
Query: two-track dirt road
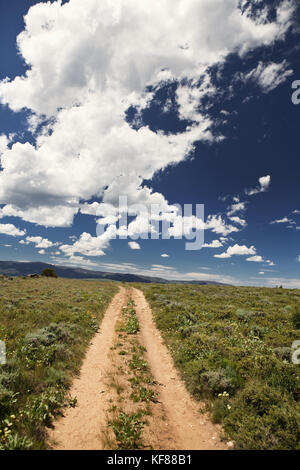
176 422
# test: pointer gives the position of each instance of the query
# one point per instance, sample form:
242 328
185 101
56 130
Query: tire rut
81 427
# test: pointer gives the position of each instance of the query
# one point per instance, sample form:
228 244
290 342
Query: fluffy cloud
237 250
264 183
164 255
237 220
12 230
89 245
57 216
255 259
236 207
216 224
39 242
269 76
134 245
3 143
111 52
213 244
189 99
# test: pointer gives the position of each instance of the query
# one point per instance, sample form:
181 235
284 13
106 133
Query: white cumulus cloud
255 259
87 62
213 244
12 230
134 245
237 250
264 183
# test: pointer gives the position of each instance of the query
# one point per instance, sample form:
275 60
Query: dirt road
174 420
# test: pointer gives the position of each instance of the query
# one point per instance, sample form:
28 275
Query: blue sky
107 100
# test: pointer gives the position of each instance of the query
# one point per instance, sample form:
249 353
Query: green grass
47 325
128 429
128 426
232 346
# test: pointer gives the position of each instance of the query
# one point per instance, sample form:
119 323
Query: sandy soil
176 422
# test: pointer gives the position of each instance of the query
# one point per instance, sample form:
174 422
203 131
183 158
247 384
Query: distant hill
18 268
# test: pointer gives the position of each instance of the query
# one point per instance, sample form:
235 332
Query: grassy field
46 325
232 346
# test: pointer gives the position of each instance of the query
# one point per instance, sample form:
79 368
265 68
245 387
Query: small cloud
213 244
39 242
41 252
269 262
134 245
264 183
284 220
237 207
261 273
256 259
237 250
164 255
239 221
269 76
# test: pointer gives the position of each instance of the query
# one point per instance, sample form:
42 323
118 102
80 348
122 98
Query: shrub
8 378
49 272
187 331
296 316
216 381
262 418
15 442
283 353
52 333
257 331
243 315
7 400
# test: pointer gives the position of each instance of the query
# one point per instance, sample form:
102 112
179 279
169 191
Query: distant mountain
18 268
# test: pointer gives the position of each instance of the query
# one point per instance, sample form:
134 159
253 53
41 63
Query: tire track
81 427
